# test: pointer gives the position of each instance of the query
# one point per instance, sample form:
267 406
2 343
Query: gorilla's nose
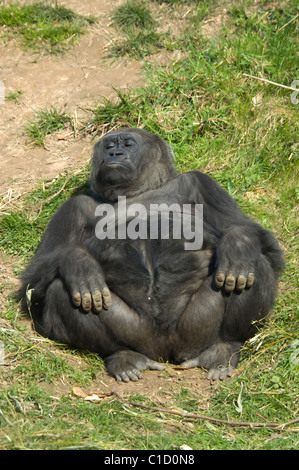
116 153
115 159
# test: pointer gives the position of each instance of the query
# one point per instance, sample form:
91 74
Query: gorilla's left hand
237 255
85 281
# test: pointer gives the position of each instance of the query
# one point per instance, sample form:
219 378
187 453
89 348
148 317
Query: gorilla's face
128 161
120 155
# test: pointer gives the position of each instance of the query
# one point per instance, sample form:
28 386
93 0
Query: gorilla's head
128 161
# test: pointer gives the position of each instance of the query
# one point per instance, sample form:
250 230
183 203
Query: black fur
137 302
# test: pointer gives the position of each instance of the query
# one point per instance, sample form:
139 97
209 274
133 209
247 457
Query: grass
243 133
46 122
139 37
133 14
14 96
44 27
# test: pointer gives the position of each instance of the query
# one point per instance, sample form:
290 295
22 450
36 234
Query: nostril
115 153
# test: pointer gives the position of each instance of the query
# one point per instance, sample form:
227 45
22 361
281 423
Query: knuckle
250 279
76 298
230 283
106 298
219 279
241 282
86 301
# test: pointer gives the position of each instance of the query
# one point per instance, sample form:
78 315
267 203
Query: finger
97 301
76 298
250 279
86 302
106 298
230 283
241 282
219 279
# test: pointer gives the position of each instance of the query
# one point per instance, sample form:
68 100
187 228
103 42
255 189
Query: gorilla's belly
155 277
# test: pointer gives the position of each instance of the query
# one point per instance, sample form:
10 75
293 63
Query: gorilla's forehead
120 136
129 132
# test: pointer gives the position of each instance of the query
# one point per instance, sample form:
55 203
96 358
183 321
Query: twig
10 199
31 340
208 418
293 19
52 197
269 81
210 169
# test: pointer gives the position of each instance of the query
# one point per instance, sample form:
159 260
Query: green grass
207 110
139 31
46 122
133 14
42 26
14 96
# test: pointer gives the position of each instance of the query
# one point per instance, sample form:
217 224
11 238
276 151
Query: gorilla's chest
150 274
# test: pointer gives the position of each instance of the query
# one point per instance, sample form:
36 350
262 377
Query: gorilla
139 301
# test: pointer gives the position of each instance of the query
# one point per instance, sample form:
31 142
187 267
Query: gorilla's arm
61 254
241 241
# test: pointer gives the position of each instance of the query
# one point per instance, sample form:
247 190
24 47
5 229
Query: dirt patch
163 388
70 82
159 386
8 280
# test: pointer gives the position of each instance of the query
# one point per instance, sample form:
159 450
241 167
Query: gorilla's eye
109 145
129 143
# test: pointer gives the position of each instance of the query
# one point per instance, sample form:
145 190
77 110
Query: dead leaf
79 392
64 135
94 397
185 447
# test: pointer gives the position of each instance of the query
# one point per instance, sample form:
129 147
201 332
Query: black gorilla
137 302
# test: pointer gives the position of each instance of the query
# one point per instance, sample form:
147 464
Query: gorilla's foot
127 365
220 359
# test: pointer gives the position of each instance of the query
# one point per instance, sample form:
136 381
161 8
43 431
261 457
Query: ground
70 82
240 130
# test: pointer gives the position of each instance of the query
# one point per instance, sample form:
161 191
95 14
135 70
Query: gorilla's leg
198 332
246 311
206 347
106 333
61 321
228 323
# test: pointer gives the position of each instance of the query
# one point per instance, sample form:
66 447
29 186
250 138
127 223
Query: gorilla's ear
159 168
167 152
95 165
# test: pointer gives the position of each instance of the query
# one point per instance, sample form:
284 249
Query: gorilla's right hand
85 281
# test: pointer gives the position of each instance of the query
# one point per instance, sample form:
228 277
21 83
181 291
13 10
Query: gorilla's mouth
115 165
116 172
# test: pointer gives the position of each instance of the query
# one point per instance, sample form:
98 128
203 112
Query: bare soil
70 82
